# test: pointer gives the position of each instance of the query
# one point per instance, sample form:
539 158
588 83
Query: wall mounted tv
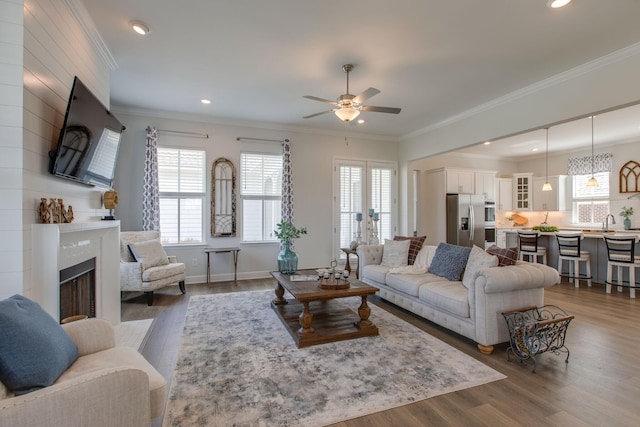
89 139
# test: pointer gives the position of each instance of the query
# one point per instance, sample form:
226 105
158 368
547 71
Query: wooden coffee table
314 316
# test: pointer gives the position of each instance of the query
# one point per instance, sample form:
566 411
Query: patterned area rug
238 366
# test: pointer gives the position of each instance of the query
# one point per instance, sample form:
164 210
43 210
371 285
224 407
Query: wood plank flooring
600 386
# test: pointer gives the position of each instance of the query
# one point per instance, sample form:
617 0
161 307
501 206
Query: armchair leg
149 298
181 286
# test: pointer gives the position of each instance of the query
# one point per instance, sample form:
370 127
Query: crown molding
81 14
573 73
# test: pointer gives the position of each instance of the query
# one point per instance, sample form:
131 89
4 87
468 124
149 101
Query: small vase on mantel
287 260
627 223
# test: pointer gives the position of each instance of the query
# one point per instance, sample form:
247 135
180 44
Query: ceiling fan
349 106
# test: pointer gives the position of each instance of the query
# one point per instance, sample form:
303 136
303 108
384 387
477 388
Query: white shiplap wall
55 46
11 53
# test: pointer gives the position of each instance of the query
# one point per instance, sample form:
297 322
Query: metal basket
536 330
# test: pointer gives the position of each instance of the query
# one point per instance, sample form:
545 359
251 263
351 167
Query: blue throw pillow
449 261
34 349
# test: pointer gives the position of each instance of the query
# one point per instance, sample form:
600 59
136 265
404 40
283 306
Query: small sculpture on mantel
54 212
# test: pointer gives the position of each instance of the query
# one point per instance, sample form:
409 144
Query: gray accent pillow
449 261
149 253
34 349
478 259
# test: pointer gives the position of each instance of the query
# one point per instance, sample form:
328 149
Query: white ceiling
434 59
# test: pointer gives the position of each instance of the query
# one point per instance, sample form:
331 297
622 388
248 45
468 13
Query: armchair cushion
34 349
149 253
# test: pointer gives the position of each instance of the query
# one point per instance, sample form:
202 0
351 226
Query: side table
234 251
347 265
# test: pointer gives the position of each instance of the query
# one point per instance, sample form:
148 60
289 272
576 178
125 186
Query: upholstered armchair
151 268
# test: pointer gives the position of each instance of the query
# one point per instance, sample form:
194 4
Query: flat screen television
89 140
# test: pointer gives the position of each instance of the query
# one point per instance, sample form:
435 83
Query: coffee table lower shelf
332 321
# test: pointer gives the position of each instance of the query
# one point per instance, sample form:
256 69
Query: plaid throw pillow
414 246
506 256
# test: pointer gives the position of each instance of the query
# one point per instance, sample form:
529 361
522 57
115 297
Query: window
360 186
261 195
181 181
590 204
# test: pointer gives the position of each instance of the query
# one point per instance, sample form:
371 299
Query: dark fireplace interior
78 290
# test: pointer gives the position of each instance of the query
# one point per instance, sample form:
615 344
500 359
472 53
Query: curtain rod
179 132
242 138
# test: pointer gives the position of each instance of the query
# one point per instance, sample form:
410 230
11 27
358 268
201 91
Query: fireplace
78 290
56 248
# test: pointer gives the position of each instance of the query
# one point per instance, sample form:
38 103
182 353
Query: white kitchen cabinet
522 191
554 200
504 199
485 185
459 181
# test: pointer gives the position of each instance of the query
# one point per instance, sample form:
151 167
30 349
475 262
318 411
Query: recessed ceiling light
205 101
554 4
140 27
534 149
487 143
360 121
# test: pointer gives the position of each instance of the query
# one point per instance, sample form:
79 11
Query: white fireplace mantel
57 246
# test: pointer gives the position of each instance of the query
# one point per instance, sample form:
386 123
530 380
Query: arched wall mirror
223 198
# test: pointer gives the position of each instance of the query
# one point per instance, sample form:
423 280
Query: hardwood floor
600 386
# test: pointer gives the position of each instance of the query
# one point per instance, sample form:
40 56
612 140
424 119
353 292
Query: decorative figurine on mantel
54 212
110 201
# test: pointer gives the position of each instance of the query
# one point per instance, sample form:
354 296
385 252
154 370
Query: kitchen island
593 242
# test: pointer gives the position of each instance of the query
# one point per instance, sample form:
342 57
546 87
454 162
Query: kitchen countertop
593 235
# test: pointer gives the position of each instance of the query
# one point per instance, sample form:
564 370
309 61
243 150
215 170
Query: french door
358 187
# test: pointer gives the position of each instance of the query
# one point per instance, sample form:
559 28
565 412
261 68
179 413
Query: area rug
132 333
238 366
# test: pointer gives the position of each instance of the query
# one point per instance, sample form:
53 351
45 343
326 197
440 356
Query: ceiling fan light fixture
555 4
347 114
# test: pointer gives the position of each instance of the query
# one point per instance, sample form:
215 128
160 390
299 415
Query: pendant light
546 186
593 182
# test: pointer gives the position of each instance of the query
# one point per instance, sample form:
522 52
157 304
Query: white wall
312 156
11 53
43 47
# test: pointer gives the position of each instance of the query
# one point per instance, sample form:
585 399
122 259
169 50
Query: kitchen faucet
605 223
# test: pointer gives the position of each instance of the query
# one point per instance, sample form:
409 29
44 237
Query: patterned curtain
151 192
582 165
287 184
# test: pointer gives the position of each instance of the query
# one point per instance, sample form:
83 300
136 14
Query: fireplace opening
78 290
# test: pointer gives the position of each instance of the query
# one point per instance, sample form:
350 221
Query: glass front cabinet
522 193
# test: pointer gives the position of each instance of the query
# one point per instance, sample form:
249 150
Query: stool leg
620 279
632 282
609 278
576 271
588 271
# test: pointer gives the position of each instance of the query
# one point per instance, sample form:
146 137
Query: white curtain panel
151 192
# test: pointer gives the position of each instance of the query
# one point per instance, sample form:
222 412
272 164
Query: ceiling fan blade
391 110
315 98
366 95
318 114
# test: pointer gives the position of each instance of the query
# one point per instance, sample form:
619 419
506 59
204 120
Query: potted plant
626 213
287 258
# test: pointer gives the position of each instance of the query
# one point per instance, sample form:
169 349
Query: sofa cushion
34 349
149 253
414 246
449 261
407 283
478 259
375 272
446 295
395 253
506 256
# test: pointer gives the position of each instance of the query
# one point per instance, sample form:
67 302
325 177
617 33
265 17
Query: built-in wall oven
489 224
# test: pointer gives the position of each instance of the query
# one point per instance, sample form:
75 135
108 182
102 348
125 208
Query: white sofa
475 312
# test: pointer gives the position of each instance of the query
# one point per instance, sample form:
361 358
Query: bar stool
528 247
569 250
621 254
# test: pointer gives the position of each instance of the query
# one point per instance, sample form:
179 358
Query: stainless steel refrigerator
465 220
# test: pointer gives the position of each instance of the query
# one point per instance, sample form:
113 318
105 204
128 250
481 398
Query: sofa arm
91 335
368 255
108 397
172 259
522 275
130 276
